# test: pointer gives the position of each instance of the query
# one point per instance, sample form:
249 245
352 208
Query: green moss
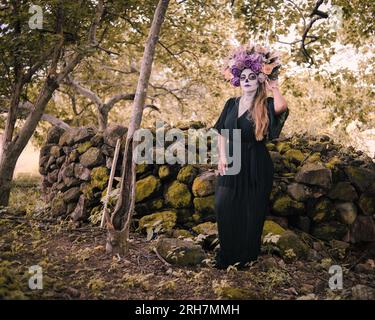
10 283
182 233
167 220
330 231
205 205
272 227
187 174
178 195
285 205
332 163
196 217
323 211
164 172
87 191
83 147
208 228
141 168
282 146
315 157
99 177
291 246
147 187
295 155
202 187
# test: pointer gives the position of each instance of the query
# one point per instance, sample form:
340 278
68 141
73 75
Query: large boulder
286 206
204 184
347 212
114 132
92 157
291 246
180 252
187 174
362 230
330 230
314 174
72 195
58 205
361 178
165 219
178 195
99 177
343 190
205 205
146 188
84 134
367 203
323 210
54 134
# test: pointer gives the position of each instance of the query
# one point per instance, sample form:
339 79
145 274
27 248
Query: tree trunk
118 225
102 119
7 166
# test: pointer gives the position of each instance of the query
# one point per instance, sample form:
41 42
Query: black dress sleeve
220 123
276 121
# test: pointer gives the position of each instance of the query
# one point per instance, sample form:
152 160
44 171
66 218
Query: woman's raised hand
222 165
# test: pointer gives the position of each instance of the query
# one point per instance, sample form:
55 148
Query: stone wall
319 187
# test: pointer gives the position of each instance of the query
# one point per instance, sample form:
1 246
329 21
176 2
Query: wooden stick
112 175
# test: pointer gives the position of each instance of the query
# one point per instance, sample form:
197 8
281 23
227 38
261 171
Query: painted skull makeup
248 80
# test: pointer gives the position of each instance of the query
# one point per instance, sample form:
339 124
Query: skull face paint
248 80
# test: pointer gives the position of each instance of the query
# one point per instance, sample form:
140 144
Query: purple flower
240 64
256 66
235 81
235 71
248 63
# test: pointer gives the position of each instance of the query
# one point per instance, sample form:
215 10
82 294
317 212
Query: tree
24 66
119 223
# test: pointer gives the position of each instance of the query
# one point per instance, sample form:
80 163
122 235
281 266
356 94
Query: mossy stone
272 227
187 174
295 156
180 252
147 187
83 147
290 241
205 205
166 218
99 177
285 206
178 195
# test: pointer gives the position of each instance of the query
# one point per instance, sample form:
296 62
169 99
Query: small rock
310 296
362 292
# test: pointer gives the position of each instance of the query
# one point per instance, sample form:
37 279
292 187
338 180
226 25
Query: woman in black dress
242 199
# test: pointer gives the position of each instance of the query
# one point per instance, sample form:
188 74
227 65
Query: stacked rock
320 187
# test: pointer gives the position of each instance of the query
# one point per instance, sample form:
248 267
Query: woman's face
248 80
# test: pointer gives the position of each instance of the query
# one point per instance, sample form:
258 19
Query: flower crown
260 59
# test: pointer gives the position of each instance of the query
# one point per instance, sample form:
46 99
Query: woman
242 199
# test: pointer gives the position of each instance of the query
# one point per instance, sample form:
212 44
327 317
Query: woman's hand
272 85
222 165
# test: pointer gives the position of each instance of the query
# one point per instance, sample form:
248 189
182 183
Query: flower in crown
260 59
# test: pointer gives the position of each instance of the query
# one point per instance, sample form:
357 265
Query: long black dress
242 200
